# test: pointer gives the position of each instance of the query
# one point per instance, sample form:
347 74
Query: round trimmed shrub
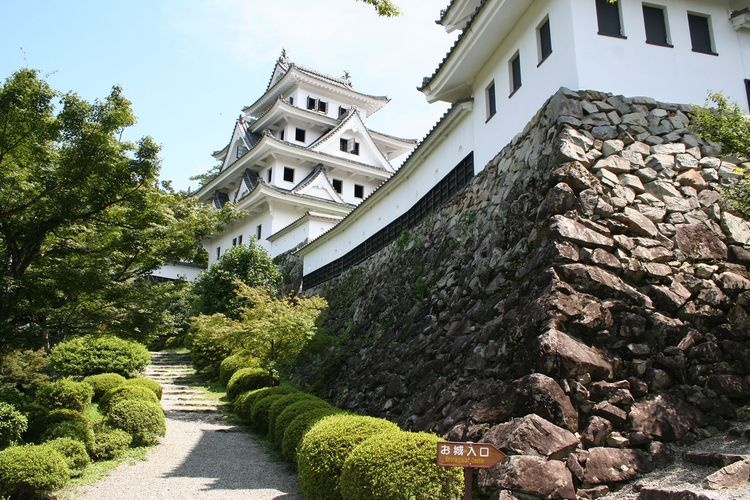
247 379
298 427
37 417
243 405
234 362
31 471
144 420
110 443
326 446
74 452
90 355
76 429
13 424
103 382
259 415
123 392
291 412
65 394
399 464
280 405
152 385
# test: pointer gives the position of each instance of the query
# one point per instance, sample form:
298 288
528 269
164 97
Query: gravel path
200 456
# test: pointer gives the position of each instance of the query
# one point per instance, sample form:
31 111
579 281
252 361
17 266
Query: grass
99 470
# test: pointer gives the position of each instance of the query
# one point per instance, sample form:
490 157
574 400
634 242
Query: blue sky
189 66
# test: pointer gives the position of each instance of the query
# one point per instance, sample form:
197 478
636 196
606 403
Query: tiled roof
411 141
309 178
426 81
374 167
445 11
343 119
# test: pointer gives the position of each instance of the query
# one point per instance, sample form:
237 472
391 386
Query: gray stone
692 178
668 149
697 242
594 280
612 146
609 465
635 119
646 174
531 476
596 432
632 182
638 223
655 214
572 230
732 281
564 356
615 164
730 476
660 162
736 229
608 178
686 161
532 435
664 417
661 188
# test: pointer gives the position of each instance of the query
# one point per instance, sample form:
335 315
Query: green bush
291 412
259 414
37 417
13 424
110 443
91 355
234 362
298 427
153 385
20 373
398 465
74 427
31 471
280 405
211 340
124 392
144 420
247 379
326 446
65 394
243 405
74 452
103 382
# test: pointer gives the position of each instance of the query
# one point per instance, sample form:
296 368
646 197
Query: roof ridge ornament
347 77
283 58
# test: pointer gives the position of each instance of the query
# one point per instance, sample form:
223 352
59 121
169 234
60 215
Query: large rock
697 242
596 432
610 465
564 356
532 435
572 230
591 279
665 417
735 228
637 222
731 476
530 475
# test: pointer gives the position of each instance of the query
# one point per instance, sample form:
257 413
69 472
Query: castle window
288 174
239 240
311 103
323 106
291 100
359 191
258 231
338 185
515 73
218 253
489 94
747 90
608 18
355 147
349 146
700 34
234 242
269 172
655 21
544 39
342 111
299 134
343 145
281 134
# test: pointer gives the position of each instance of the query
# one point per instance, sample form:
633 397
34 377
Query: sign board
475 455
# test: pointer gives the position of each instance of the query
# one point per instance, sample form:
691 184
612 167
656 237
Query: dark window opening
281 134
299 134
747 90
700 34
291 100
355 147
608 18
239 240
342 111
311 103
515 73
258 231
343 145
268 174
234 242
218 253
491 100
323 106
655 22
338 185
359 191
545 41
288 174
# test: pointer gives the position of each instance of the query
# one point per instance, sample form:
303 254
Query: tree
81 212
385 8
724 122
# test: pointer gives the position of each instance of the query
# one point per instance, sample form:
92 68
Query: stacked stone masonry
583 303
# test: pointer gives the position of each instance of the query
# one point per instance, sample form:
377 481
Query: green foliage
126 392
398 465
37 417
21 371
247 379
325 447
243 405
74 452
152 385
31 471
299 426
13 424
215 289
72 428
280 405
385 8
103 382
234 362
110 443
259 413
65 393
144 420
210 340
291 411
91 355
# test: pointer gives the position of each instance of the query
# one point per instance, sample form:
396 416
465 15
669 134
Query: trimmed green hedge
282 421
247 379
90 355
398 465
298 427
74 428
124 392
144 420
243 405
31 471
280 405
110 443
13 424
325 447
74 451
259 415
103 382
234 362
65 393
152 385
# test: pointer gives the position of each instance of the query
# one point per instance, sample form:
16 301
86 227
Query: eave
457 14
297 223
282 108
264 192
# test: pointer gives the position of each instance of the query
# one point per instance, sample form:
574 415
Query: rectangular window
544 39
218 253
239 240
342 110
299 134
489 93
700 34
355 147
268 174
515 73
608 18
281 134
359 191
288 174
311 102
234 242
747 90
343 145
338 186
258 231
291 100
655 21
323 106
